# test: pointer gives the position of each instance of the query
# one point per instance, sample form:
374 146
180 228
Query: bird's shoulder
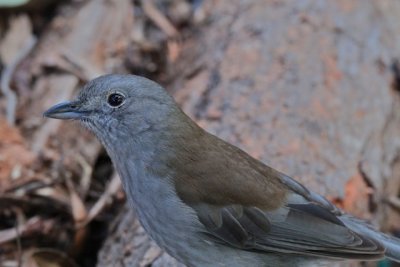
210 170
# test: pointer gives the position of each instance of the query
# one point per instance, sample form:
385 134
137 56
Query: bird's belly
172 224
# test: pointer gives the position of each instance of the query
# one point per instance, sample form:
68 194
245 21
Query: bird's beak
65 111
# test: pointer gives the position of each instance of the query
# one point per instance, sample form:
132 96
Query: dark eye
115 100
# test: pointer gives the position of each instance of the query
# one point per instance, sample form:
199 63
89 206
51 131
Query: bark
304 86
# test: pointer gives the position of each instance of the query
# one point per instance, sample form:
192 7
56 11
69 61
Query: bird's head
119 106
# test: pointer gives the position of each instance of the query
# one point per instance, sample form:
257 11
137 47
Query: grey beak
65 111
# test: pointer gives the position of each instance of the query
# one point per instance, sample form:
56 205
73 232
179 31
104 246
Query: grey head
118 108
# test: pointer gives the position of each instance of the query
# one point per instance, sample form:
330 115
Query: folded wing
300 227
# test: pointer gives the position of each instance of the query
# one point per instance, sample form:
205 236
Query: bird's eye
115 100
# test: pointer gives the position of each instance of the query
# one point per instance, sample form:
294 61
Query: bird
205 201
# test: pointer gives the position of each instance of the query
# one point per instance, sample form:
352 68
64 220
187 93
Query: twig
158 18
87 171
6 79
19 221
77 206
112 189
12 233
32 185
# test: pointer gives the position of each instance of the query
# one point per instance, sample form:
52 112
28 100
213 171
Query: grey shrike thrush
205 201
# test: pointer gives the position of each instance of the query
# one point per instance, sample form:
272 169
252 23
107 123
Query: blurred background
311 88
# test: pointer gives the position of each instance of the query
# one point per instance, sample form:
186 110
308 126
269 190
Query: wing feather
306 229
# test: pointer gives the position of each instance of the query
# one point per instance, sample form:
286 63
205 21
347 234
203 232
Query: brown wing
245 204
304 229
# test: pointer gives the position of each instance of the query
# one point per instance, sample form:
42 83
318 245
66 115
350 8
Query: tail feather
391 244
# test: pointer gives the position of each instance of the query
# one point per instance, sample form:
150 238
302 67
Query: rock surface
304 86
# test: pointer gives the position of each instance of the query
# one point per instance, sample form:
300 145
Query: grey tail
391 244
